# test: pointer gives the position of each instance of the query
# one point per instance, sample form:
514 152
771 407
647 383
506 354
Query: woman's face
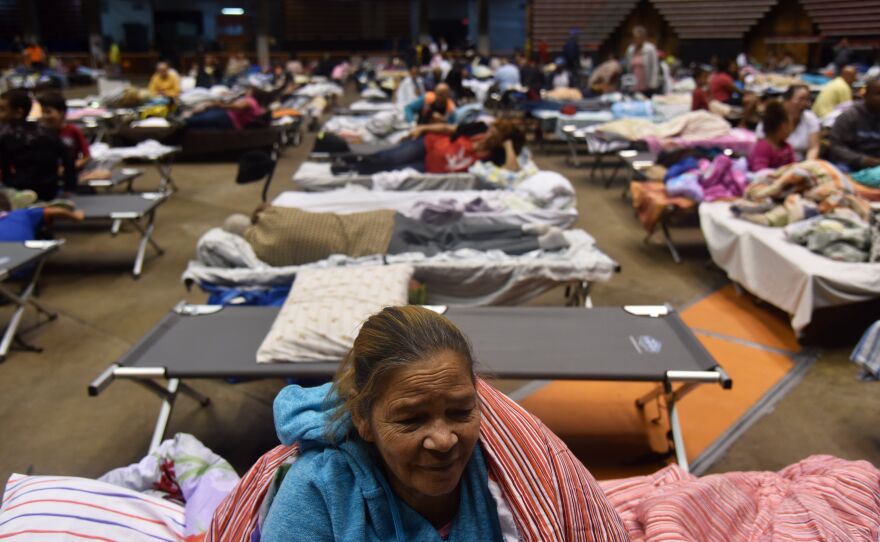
800 101
425 426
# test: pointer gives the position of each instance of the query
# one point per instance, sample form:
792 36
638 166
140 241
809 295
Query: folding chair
255 166
15 257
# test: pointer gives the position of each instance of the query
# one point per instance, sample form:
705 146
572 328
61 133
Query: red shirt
241 118
765 156
719 86
75 141
442 155
699 100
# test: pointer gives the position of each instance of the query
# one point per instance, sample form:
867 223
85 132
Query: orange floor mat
727 313
602 425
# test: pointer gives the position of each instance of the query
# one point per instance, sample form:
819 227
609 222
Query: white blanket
149 149
782 273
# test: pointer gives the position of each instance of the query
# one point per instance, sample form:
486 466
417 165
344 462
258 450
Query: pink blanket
821 498
738 140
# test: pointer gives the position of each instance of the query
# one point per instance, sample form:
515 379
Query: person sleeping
283 236
444 148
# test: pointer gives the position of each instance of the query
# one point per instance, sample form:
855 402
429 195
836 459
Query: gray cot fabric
525 342
14 256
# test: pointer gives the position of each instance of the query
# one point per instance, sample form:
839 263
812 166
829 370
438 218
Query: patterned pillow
62 507
325 310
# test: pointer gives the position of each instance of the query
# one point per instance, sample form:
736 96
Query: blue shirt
20 225
507 76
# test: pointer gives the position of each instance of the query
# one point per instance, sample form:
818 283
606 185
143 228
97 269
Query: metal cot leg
667 238
164 412
146 238
22 301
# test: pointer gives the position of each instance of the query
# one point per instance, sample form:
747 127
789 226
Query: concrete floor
51 426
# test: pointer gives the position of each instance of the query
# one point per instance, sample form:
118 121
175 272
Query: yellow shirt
169 86
836 92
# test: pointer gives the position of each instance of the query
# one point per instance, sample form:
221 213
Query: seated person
431 108
392 449
773 151
700 96
54 118
606 77
445 148
410 88
507 75
209 72
235 115
722 87
165 82
25 224
30 154
835 92
855 137
288 236
804 138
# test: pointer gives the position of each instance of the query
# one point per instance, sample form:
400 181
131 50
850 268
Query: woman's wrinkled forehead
445 374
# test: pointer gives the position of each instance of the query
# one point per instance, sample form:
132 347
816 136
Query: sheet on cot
782 273
317 176
413 203
463 277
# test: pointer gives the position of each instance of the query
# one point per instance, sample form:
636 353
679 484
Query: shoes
21 199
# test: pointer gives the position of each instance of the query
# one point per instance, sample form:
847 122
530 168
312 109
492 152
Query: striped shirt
551 494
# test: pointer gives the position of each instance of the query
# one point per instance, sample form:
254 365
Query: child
54 118
773 151
25 224
699 98
30 155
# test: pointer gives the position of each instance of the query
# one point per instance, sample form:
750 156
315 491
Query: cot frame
25 297
669 391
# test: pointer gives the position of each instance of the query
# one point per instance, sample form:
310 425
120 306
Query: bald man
855 137
835 92
165 82
433 108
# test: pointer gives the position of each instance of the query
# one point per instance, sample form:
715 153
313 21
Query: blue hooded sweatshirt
336 490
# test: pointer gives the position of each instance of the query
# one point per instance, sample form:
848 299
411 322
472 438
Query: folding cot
124 176
782 273
595 145
139 210
162 156
462 277
314 176
27 257
441 201
638 343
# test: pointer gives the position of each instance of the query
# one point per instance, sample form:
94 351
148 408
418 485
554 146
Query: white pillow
64 507
326 308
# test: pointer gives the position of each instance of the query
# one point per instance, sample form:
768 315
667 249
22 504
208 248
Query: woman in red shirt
235 115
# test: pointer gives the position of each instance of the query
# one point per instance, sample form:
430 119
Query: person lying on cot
773 151
235 115
32 155
394 449
432 107
289 236
25 224
444 148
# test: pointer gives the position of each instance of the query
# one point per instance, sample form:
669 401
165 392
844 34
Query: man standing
571 52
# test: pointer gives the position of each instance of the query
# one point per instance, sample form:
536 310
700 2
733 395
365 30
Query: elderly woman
394 451
804 137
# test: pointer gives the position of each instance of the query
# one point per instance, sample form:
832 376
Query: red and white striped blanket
553 497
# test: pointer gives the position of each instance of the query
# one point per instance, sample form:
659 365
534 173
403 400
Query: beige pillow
326 308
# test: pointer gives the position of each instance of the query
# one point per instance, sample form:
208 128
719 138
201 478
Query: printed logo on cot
646 344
